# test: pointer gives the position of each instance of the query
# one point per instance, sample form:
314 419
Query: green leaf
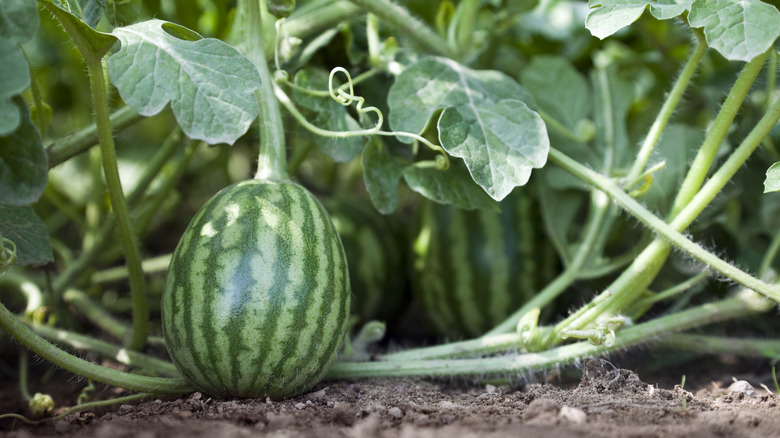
26 230
18 20
328 114
18 24
559 90
433 84
677 147
91 43
23 163
14 78
500 143
209 84
451 186
738 30
381 175
487 119
772 181
93 12
609 16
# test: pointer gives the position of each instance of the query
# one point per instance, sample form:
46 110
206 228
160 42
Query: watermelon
375 245
256 300
472 269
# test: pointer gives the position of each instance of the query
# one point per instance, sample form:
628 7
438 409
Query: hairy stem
408 25
119 205
717 133
25 336
671 102
766 348
744 303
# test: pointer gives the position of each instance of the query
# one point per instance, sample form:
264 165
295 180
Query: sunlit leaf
738 30
500 143
609 16
23 164
208 83
487 119
26 230
772 181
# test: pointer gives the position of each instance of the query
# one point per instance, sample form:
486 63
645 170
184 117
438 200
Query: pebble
395 412
741 389
573 415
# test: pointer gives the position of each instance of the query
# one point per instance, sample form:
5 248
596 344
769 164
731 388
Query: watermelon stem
513 365
25 336
272 159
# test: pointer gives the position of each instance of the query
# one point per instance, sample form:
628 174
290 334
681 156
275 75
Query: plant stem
100 317
151 265
599 205
408 25
315 16
126 235
767 348
120 355
717 133
671 102
272 162
744 303
83 139
25 336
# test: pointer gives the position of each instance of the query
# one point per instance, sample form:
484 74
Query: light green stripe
498 291
464 293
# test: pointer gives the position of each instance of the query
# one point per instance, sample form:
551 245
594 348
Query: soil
605 401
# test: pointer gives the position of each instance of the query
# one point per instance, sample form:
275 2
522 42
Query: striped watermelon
256 301
375 246
472 269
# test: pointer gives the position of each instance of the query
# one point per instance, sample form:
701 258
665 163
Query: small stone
540 406
573 415
300 406
490 389
395 412
741 389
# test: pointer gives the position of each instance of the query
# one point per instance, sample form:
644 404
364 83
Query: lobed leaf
739 30
486 118
23 163
28 232
609 16
500 143
18 24
209 84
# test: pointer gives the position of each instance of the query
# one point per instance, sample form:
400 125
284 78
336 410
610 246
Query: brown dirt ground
607 402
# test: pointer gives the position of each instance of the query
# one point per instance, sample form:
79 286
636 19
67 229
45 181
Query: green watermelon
256 300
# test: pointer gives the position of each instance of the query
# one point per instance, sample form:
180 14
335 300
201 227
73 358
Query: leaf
609 16
451 186
677 147
23 163
433 84
772 181
487 119
93 12
23 227
18 24
208 83
18 20
381 175
91 43
14 78
330 115
738 30
500 143
559 89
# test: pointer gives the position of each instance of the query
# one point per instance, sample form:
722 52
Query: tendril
602 334
7 254
345 95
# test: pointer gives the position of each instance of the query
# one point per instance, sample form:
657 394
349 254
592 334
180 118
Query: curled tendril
345 95
602 334
7 254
